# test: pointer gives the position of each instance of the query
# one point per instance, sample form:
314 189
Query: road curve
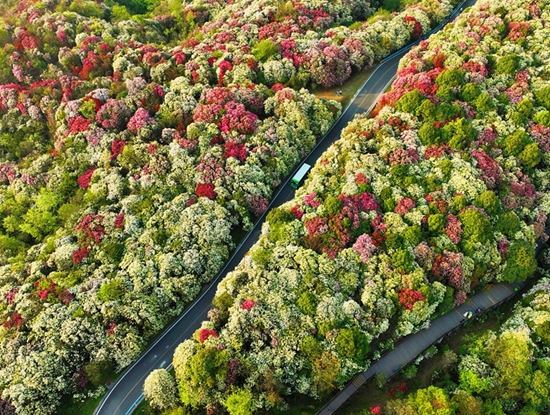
123 396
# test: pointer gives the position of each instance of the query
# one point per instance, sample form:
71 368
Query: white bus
300 175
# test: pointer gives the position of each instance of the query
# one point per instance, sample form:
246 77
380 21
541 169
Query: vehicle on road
300 175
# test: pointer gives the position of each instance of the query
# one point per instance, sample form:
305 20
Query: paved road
124 395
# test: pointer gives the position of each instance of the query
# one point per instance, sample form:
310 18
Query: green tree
507 64
240 402
410 101
264 50
111 291
352 343
521 263
160 390
431 401
470 92
451 77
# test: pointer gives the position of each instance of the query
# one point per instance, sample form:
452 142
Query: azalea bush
443 190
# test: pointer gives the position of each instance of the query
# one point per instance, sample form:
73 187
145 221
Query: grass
349 88
82 408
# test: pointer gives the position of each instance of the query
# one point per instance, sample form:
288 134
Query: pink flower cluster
404 205
492 172
364 247
140 119
310 200
92 228
453 228
248 305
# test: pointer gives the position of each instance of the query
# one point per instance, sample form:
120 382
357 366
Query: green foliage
307 303
138 6
515 143
543 96
450 78
391 5
352 343
428 134
507 64
413 235
436 223
261 256
492 407
459 133
86 8
543 118
264 50
120 13
431 401
508 223
521 262
240 402
531 155
87 109
333 205
473 383
285 10
445 93
38 223
489 201
410 101
98 371
207 367
409 372
326 369
110 291
470 92
484 103
277 219
476 228
310 346
403 259
525 107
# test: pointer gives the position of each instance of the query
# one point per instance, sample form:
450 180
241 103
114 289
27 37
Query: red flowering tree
85 178
408 298
204 334
206 190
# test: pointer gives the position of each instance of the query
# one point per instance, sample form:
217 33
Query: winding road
124 395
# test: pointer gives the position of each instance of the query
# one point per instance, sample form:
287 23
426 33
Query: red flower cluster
85 178
375 410
248 305
116 148
408 298
206 190
404 205
50 291
204 334
119 221
236 150
15 320
80 254
78 125
91 227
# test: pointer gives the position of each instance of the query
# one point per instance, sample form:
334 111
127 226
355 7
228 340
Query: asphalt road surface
123 396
